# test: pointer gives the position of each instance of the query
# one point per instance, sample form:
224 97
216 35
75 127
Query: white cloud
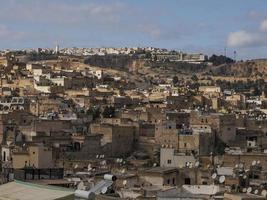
6 33
244 38
151 30
253 14
55 12
263 26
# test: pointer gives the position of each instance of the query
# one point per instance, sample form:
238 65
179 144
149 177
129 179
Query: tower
57 49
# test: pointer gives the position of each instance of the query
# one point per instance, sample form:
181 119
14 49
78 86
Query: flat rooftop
28 191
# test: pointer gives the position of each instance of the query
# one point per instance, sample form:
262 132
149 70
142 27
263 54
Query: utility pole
235 56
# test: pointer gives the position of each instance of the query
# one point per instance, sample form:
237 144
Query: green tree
108 112
194 78
175 80
95 111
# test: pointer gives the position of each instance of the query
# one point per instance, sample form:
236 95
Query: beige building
36 156
118 140
160 176
223 125
209 89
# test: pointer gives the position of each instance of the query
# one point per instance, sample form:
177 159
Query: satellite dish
258 162
249 190
241 165
103 162
104 190
155 165
222 179
124 182
244 190
254 162
190 165
236 166
256 191
197 164
245 177
264 193
123 171
214 175
117 160
89 167
76 166
97 156
80 186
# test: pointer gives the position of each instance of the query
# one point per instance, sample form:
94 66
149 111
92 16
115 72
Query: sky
204 26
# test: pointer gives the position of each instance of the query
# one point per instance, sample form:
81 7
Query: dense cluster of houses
70 124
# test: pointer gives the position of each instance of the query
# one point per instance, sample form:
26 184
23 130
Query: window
168 181
4 159
173 181
33 152
185 144
187 181
169 161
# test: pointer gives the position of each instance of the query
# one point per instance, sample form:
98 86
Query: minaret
57 49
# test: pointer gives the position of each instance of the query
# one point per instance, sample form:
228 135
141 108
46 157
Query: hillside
252 68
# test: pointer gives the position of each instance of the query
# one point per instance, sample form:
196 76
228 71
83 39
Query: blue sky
206 26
